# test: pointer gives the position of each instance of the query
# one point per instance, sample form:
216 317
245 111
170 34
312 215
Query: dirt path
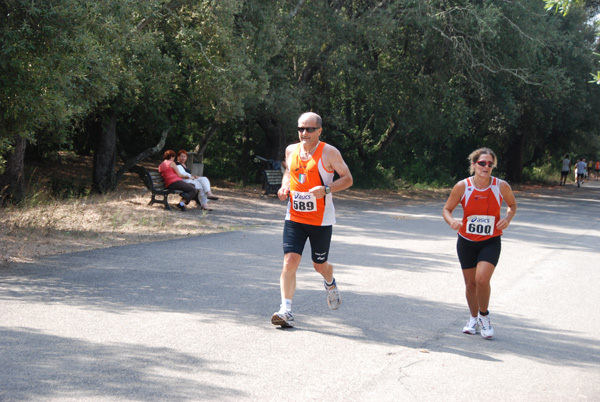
124 217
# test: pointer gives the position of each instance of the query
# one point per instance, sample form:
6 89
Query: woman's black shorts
471 252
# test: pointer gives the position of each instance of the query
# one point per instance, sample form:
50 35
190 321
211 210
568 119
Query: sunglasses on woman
308 129
483 163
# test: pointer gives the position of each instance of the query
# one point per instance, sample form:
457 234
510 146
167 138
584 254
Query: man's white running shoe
485 323
285 319
471 327
334 300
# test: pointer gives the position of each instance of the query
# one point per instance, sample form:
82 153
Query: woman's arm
175 168
457 192
511 204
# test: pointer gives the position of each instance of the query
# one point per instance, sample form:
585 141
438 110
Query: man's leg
294 238
325 269
287 281
320 241
287 284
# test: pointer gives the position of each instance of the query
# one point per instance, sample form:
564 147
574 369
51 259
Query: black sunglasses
308 129
483 163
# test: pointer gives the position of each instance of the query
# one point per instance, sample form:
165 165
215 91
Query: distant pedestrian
581 166
566 168
597 169
479 232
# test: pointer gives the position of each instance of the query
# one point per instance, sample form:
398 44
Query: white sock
286 305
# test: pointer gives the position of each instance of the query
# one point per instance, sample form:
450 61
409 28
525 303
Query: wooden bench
156 185
272 181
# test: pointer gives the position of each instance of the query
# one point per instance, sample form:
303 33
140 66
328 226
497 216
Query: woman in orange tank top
479 231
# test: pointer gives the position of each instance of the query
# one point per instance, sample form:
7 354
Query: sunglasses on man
308 129
483 163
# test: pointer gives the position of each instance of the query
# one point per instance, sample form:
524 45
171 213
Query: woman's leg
205 184
470 276
485 270
189 191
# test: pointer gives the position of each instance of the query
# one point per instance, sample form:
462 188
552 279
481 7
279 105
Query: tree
203 47
54 68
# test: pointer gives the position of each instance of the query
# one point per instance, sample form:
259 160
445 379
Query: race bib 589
303 202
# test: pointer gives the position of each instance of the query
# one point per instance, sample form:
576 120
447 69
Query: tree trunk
275 138
514 159
211 132
130 164
12 181
103 174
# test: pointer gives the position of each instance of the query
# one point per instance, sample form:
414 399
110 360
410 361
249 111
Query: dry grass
44 227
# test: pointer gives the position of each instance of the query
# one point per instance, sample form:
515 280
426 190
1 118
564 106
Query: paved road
123 324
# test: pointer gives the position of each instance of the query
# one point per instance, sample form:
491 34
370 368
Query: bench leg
166 202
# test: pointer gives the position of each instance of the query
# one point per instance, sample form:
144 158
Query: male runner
307 184
581 167
566 168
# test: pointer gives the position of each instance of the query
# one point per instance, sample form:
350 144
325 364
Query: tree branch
130 165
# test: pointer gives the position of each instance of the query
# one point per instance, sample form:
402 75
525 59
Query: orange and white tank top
303 207
481 211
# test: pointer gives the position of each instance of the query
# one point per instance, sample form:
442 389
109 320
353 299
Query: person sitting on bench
174 180
201 183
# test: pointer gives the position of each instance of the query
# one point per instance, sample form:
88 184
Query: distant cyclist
479 232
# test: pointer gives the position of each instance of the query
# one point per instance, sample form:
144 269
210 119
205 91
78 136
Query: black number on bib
304 206
480 229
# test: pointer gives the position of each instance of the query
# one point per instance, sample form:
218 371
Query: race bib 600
481 225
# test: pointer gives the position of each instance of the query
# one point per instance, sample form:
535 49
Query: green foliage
407 89
562 6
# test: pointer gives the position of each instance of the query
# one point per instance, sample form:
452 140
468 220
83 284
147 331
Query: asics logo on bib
476 219
301 197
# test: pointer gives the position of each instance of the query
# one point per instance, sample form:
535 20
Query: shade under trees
406 88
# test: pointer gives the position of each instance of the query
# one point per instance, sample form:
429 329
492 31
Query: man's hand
283 193
318 191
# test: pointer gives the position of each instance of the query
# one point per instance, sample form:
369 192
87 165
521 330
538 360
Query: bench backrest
154 181
273 176
157 181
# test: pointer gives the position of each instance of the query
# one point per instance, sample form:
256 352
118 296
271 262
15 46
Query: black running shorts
295 235
471 252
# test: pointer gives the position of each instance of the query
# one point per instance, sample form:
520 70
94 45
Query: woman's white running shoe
485 323
471 327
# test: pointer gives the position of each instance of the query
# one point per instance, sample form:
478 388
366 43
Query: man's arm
332 160
284 191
